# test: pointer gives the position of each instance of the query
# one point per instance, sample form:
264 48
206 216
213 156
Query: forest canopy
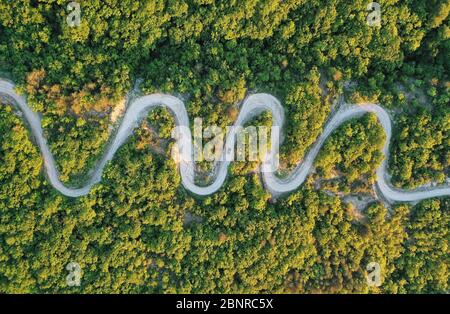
139 231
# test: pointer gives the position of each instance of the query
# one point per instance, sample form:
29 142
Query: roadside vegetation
130 234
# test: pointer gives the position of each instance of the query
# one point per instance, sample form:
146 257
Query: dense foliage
139 230
351 155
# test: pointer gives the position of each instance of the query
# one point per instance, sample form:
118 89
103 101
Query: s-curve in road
252 106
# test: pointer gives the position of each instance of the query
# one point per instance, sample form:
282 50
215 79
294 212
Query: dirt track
253 105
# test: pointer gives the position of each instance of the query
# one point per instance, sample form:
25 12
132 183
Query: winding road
252 106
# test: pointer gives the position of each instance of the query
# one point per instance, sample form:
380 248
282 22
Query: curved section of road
252 106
